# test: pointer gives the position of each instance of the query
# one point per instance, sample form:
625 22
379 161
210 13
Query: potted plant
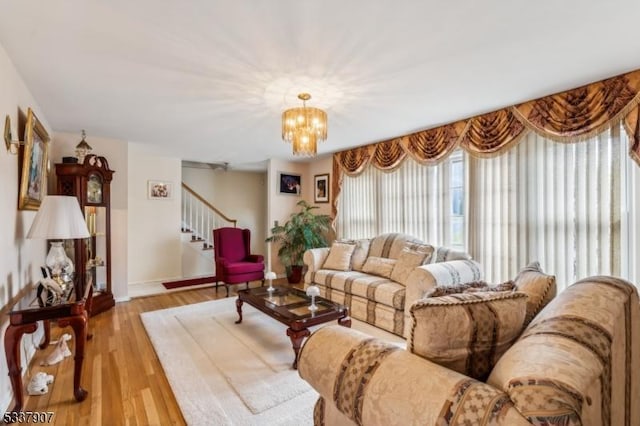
303 231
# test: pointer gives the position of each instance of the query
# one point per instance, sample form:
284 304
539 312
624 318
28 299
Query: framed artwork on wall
321 188
159 190
289 183
33 180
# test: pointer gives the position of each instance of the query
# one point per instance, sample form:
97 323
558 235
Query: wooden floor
121 371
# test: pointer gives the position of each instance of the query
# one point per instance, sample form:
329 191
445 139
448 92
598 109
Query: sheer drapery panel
412 199
560 204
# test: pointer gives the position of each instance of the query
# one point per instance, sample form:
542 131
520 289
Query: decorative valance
566 117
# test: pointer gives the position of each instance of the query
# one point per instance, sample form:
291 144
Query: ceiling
208 80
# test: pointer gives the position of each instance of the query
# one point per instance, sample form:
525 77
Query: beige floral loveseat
378 279
576 363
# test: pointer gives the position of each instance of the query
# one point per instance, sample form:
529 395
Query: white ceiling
209 79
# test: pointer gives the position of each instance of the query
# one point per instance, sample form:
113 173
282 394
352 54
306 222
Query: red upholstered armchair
234 263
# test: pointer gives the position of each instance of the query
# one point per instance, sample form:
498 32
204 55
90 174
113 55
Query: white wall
280 206
21 258
239 195
116 153
154 225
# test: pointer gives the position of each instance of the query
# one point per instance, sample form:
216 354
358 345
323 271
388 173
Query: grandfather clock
90 182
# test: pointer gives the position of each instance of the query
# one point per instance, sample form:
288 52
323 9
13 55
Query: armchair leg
262 285
247 285
227 287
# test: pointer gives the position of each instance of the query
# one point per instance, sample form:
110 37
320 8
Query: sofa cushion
390 245
339 257
540 287
244 267
360 254
370 287
409 259
467 332
379 266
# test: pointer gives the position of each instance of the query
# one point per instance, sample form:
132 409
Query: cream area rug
223 373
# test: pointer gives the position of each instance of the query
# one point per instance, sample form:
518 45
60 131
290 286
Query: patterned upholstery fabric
540 288
378 299
467 332
445 254
339 257
408 260
375 300
472 287
589 370
390 245
377 384
576 363
379 266
360 253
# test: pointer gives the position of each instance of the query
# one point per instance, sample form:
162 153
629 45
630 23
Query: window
413 199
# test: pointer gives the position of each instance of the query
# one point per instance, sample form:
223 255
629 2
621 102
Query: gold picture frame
33 181
7 132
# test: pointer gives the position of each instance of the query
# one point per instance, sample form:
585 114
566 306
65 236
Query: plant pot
295 274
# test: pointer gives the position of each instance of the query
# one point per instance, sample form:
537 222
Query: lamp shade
59 218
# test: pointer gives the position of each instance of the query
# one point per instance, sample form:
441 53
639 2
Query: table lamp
270 276
59 218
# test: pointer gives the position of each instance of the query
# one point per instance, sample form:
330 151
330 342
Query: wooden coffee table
290 306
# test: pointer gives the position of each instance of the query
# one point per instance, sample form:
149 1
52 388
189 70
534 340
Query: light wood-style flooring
121 371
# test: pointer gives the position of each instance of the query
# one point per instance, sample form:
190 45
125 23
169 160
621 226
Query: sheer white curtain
413 199
561 204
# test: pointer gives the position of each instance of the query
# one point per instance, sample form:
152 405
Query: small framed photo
160 190
289 183
321 188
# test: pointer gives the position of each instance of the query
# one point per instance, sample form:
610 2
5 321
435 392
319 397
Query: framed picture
289 183
159 190
321 189
33 181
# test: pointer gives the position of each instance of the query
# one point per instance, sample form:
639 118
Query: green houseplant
304 230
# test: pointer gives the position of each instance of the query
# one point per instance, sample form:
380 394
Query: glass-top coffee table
290 306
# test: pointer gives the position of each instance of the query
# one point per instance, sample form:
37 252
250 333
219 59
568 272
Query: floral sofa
577 362
378 279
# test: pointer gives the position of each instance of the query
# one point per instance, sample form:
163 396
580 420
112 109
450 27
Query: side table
23 319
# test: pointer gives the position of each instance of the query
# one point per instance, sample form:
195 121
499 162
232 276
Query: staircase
199 219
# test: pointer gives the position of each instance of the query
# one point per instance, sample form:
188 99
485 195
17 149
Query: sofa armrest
378 383
426 277
314 258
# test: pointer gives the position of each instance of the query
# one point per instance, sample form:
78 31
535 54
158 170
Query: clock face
94 189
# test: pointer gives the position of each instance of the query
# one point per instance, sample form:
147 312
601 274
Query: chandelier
304 127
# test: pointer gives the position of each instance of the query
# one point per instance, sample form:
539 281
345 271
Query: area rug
224 373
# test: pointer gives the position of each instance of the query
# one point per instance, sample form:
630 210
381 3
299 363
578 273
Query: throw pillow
540 287
380 266
360 253
339 257
409 260
471 287
467 332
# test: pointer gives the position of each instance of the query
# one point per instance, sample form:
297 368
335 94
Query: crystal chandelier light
304 127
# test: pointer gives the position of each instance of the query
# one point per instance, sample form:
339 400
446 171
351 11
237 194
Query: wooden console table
23 319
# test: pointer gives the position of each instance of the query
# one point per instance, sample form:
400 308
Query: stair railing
200 217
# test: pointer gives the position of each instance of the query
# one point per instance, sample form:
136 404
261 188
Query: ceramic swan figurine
60 352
